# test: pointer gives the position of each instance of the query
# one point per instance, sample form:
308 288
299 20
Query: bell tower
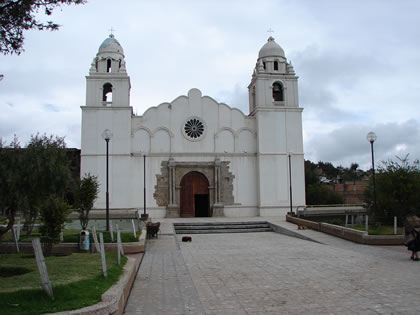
108 83
273 101
108 107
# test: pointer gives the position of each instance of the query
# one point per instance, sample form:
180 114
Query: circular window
194 128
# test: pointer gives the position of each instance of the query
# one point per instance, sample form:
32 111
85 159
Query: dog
302 227
152 229
186 239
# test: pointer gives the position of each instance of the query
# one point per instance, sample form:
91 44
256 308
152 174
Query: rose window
194 128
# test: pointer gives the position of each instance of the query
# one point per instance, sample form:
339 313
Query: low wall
68 248
353 235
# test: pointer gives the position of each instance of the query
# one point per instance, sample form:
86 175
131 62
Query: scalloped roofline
153 108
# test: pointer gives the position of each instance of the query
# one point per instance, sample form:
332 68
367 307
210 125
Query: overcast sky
358 64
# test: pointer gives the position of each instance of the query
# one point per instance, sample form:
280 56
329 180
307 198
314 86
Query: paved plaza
271 273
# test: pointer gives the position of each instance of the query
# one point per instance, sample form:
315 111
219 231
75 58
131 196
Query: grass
72 236
77 282
380 230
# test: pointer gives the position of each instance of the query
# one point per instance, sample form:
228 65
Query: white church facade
197 157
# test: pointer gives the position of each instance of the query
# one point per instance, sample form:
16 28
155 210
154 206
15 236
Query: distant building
353 192
203 158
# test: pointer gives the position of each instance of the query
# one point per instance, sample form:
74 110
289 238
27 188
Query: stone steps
222 227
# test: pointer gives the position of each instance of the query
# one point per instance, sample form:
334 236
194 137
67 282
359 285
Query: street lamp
290 182
144 216
107 135
371 137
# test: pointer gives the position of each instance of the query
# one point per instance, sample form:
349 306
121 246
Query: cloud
357 68
328 80
50 108
348 144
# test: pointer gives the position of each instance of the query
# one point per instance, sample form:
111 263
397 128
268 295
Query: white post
104 269
61 236
367 223
118 247
120 243
395 225
95 238
134 228
18 230
347 220
111 231
15 238
40 261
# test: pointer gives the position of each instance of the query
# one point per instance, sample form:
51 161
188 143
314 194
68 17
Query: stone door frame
168 188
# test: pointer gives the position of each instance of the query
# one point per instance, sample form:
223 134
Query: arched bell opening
107 94
278 92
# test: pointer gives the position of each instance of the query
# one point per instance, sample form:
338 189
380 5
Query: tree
86 194
329 169
397 190
317 193
30 175
46 172
19 16
53 211
352 174
11 190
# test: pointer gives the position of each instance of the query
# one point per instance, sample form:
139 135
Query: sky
358 63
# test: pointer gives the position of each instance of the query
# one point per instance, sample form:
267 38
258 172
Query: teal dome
111 45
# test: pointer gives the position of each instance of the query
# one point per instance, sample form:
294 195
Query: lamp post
144 216
107 135
290 183
371 137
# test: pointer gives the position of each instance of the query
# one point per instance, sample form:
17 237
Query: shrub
86 194
53 213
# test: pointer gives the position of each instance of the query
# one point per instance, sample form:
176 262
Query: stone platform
272 273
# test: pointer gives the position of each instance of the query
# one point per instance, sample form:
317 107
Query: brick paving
163 284
270 273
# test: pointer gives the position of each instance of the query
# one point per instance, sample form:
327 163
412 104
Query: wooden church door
194 193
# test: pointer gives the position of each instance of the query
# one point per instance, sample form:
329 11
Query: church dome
271 49
110 45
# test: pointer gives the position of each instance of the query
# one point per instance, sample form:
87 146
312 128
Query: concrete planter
67 248
353 235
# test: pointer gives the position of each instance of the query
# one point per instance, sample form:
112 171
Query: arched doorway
194 195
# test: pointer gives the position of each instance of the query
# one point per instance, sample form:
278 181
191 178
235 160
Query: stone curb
349 234
115 298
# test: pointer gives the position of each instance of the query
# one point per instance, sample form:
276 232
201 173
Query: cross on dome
111 30
270 31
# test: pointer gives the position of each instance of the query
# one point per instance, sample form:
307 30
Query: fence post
134 228
104 269
15 238
395 225
40 261
367 223
95 239
18 230
118 247
111 231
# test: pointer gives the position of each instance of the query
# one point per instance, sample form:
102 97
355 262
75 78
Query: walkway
270 273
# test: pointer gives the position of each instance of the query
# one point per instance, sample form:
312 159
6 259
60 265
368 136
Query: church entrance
194 195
